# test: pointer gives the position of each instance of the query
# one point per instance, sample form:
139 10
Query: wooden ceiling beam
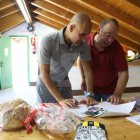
48 24
135 4
109 11
9 18
5 4
50 21
11 21
71 8
8 11
52 9
49 15
75 8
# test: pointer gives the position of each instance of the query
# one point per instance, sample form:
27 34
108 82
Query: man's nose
110 39
84 39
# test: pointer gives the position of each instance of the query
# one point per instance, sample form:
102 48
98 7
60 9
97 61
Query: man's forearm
80 66
88 75
50 85
121 84
89 80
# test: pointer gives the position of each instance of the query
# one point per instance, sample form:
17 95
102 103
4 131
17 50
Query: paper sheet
134 119
116 110
111 110
80 111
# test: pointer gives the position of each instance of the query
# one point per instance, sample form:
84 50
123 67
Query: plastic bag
13 114
53 118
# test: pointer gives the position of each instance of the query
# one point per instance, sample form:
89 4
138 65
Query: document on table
134 119
116 110
110 109
80 111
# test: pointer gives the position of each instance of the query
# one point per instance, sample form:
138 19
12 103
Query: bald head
79 27
80 19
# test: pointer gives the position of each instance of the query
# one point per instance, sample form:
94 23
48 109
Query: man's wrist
60 98
90 94
117 94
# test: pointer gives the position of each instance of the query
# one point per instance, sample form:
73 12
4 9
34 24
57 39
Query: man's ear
99 29
72 26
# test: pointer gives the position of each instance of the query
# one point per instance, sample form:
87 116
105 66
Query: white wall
74 75
134 76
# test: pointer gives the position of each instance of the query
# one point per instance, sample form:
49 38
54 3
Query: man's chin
105 45
78 43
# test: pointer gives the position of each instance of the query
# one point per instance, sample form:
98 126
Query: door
5 62
19 62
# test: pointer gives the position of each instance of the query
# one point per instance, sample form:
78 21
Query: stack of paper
116 110
109 109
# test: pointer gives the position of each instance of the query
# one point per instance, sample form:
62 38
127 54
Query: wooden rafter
135 4
8 11
11 21
109 11
5 4
52 9
51 16
50 21
48 24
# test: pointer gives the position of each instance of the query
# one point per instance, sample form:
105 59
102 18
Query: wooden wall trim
32 83
80 92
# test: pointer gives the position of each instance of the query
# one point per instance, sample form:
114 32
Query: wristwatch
91 94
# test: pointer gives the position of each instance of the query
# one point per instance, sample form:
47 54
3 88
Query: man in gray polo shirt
58 52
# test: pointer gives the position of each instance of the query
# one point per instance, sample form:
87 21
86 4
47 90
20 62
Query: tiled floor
29 94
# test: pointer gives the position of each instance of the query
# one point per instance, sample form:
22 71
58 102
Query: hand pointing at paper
89 101
137 99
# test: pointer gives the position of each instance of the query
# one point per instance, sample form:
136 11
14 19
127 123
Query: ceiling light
24 10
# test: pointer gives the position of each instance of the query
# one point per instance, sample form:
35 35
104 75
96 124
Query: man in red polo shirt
109 63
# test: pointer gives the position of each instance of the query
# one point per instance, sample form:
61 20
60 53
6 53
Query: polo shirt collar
91 42
61 35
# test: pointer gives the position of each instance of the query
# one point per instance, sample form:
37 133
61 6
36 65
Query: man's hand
69 103
89 101
137 99
114 99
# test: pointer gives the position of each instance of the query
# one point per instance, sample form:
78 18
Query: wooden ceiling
57 14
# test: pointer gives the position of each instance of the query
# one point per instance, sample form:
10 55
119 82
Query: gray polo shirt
60 57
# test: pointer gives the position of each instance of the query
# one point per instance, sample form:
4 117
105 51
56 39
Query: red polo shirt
106 64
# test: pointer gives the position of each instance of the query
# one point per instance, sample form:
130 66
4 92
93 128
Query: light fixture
24 10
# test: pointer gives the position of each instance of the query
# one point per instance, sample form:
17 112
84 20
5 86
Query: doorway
20 61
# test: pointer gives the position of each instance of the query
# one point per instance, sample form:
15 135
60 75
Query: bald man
58 52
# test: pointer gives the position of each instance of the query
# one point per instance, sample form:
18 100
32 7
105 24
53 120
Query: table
117 128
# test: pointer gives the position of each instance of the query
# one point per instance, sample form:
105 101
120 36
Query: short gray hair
107 20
